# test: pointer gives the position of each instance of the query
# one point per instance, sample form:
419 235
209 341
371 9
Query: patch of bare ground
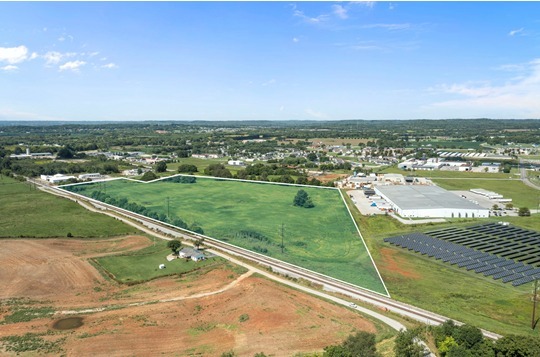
251 316
392 262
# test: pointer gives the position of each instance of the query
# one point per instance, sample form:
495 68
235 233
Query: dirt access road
203 313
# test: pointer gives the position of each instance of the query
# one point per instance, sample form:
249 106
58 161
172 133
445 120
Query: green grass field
28 212
450 174
250 215
443 288
143 265
521 194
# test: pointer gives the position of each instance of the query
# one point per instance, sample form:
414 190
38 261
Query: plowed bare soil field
253 315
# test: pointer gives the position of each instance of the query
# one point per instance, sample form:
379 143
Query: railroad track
379 301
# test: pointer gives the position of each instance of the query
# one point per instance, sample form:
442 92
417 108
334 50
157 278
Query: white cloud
369 4
72 66
391 6
340 11
9 68
516 32
295 40
54 57
65 37
519 96
13 55
109 66
311 20
270 82
34 55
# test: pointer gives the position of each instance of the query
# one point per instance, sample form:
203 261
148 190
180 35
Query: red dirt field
393 263
331 177
254 315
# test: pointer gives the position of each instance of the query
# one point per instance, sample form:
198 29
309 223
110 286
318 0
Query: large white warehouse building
429 202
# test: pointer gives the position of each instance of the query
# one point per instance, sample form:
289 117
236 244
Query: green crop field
28 212
250 215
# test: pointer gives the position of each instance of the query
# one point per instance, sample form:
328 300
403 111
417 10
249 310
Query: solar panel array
500 251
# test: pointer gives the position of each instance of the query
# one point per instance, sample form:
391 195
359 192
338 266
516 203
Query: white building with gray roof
418 201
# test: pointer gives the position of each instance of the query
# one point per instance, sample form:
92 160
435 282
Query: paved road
524 177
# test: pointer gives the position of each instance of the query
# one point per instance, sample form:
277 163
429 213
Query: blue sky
269 60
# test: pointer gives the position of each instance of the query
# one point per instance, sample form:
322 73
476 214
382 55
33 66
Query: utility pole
282 237
534 321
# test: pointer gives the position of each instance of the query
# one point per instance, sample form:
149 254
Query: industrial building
417 201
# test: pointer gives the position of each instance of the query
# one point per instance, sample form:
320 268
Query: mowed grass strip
521 194
144 264
250 215
28 212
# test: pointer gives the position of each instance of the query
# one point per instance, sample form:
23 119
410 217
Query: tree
149 176
161 166
65 153
468 336
524 212
495 207
446 345
406 345
312 156
302 199
509 205
519 346
361 344
199 242
174 245
187 168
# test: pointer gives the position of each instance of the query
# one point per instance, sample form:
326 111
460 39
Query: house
194 254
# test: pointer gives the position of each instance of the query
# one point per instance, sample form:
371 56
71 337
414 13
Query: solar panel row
507 241
485 263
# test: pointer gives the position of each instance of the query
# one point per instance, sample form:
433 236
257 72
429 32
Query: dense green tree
217 170
66 152
149 176
517 346
161 166
300 198
406 346
187 168
524 212
174 245
361 344
468 336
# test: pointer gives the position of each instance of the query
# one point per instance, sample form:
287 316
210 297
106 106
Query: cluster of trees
31 168
134 207
187 169
361 344
218 170
182 179
468 341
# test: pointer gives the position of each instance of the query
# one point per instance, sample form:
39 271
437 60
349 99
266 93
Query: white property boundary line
362 238
236 247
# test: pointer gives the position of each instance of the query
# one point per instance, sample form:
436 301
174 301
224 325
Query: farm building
429 202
